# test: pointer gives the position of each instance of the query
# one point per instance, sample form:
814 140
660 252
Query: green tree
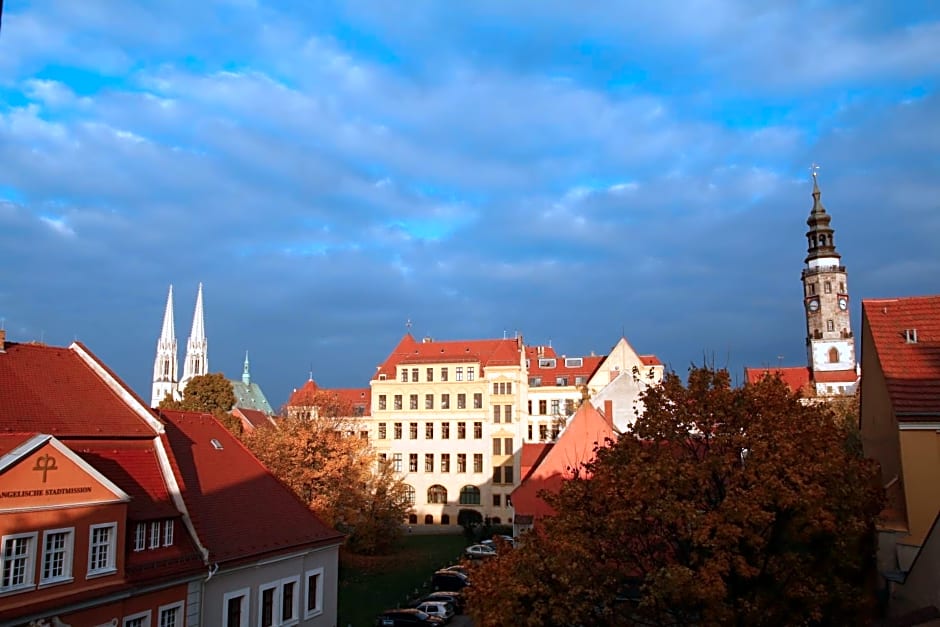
721 506
209 393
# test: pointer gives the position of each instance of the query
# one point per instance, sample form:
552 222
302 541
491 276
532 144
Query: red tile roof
53 390
650 360
252 418
587 429
298 397
486 352
357 397
835 376
9 441
911 368
133 466
795 377
222 485
531 456
549 374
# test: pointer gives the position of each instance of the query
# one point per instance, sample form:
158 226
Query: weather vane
408 324
814 169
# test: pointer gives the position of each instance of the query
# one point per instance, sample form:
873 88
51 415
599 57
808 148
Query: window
409 494
18 557
154 534
478 462
413 401
561 380
278 602
461 462
445 462
413 430
478 400
140 537
546 362
430 374
461 431
812 289
543 432
507 474
313 591
170 615
437 494
535 381
830 325
414 375
497 474
458 373
412 462
497 500
444 374
445 430
507 413
56 556
478 431
496 413
543 407
495 387
469 495
529 431
404 375
461 401
507 446
580 380
429 431
569 406
168 532
573 362
497 446
429 462
381 401
445 401
470 375
398 401
235 608
382 430
827 287
101 549
556 407
396 462
429 401
141 619
833 355
397 430
530 408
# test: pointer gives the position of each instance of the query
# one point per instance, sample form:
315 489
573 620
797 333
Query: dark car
449 580
454 598
407 617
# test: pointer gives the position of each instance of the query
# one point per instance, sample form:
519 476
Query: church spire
821 247
246 375
197 349
165 364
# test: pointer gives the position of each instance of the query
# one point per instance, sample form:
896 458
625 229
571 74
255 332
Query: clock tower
830 345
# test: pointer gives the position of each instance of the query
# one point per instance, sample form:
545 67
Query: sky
568 171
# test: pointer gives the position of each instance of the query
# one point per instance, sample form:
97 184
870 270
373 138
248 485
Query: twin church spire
165 378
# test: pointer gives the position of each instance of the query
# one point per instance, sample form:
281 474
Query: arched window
469 495
445 519
428 519
833 355
412 519
410 494
437 494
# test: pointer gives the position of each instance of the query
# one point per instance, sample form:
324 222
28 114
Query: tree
335 474
209 393
721 505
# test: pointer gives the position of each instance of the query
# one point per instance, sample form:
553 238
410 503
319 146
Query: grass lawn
368 585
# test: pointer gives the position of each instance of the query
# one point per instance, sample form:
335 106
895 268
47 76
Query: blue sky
568 171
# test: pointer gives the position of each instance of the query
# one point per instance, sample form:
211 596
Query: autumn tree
721 506
209 393
337 475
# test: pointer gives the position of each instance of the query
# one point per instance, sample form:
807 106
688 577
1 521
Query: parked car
407 617
441 609
449 580
457 568
454 598
479 551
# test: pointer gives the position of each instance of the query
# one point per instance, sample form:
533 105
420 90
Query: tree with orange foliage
336 473
721 506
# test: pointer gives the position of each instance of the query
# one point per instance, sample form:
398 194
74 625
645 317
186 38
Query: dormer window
573 362
546 362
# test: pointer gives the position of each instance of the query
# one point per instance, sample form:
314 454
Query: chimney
3 340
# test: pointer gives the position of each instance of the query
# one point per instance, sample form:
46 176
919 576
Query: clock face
813 305
843 304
